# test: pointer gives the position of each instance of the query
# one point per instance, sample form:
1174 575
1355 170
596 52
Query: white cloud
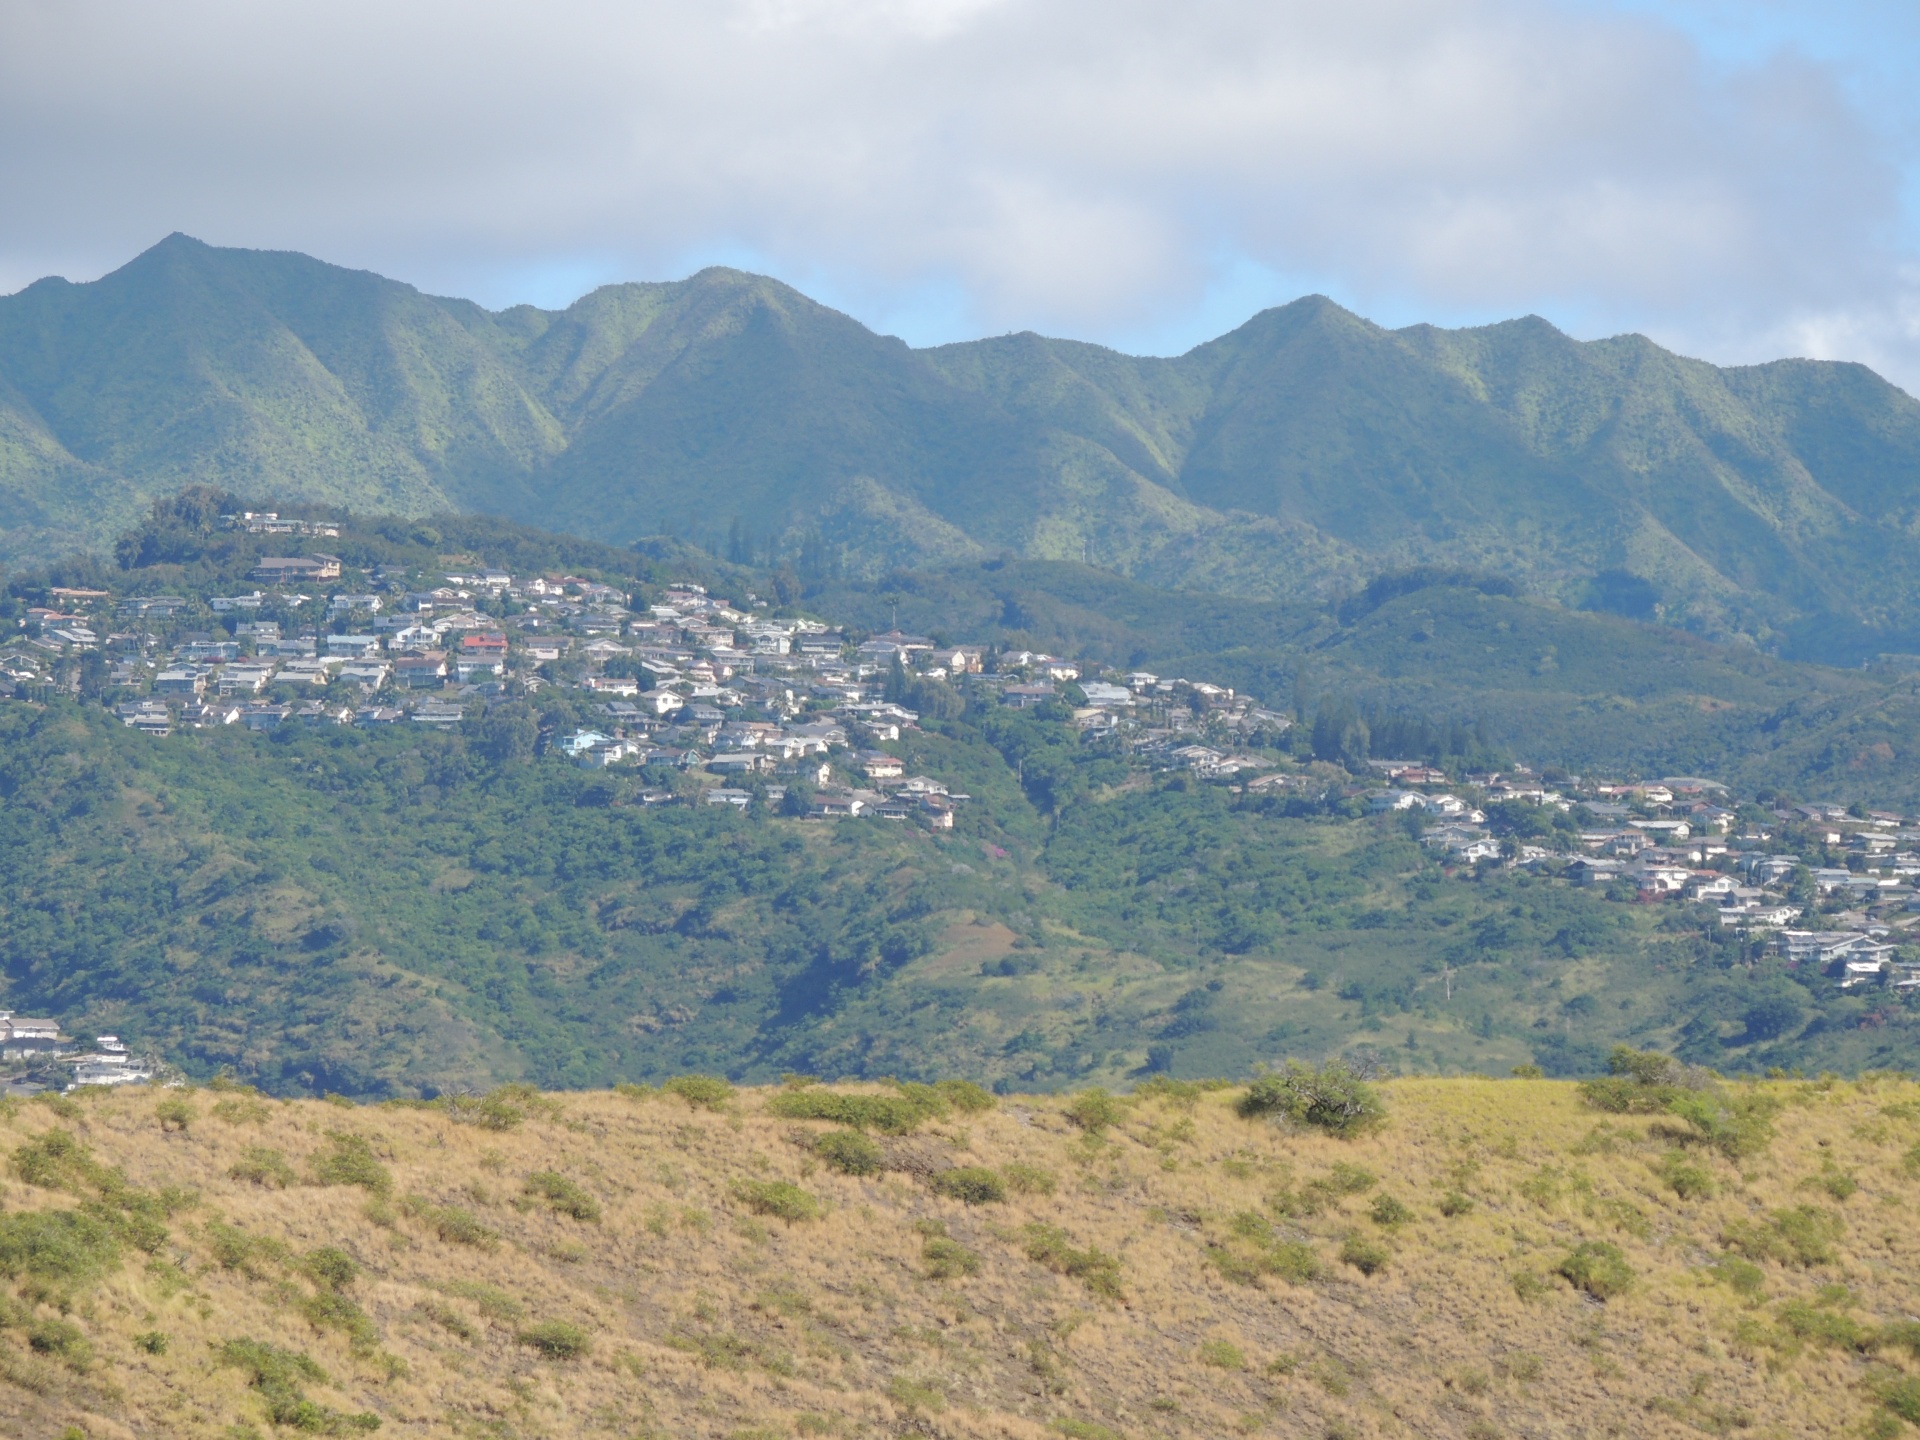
1084 167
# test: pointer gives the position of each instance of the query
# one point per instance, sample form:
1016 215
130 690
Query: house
1595 872
421 672
353 647
179 682
367 674
467 670
720 795
581 741
378 715
265 717
1664 831
1025 697
439 715
658 702
295 569
347 604
836 806
489 643
1104 696
880 766
244 679
741 762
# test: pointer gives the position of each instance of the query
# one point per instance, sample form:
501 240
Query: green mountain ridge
1294 458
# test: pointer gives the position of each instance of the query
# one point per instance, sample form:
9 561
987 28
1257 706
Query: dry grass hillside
212 1263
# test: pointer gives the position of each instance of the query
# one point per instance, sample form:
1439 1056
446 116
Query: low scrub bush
263 1166
279 1375
1735 1125
1222 1355
61 1339
1453 1204
556 1339
1095 1110
65 1249
779 1198
1050 1246
850 1152
1640 1082
1743 1277
965 1096
452 1223
1814 1323
1369 1257
350 1161
175 1112
1803 1235
1686 1179
565 1196
505 1107
889 1114
701 1092
235 1249
1389 1212
331 1267
1597 1267
970 1184
1029 1179
330 1310
948 1259
1331 1098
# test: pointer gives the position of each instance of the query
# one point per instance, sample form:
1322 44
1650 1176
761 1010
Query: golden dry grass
708 1319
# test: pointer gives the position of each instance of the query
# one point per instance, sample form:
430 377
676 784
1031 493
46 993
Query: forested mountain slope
1303 453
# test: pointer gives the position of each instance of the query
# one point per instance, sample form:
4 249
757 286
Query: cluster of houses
722 704
749 707
1678 839
35 1056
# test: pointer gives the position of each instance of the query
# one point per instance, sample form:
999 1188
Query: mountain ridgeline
1297 457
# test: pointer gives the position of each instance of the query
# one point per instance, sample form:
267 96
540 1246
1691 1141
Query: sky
1739 181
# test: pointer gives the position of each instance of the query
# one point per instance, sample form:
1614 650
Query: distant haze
1728 180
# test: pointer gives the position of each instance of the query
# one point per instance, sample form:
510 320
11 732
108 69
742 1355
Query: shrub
1369 1257
151 1341
330 1310
1735 1125
701 1092
1687 1180
452 1223
1049 1245
1805 1320
1640 1082
1597 1267
68 1248
564 1195
1331 1098
55 1160
1742 1276
970 1184
1095 1110
506 1107
1803 1235
351 1161
1453 1204
889 1114
1223 1355
1028 1179
1529 1286
331 1267
174 1113
62 1339
779 1198
965 1096
236 1249
556 1339
1389 1211
1902 1397
278 1375
263 1166
850 1152
948 1259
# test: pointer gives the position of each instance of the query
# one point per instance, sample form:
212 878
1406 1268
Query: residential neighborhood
709 701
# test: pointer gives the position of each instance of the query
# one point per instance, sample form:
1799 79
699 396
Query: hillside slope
1301 453
638 1265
